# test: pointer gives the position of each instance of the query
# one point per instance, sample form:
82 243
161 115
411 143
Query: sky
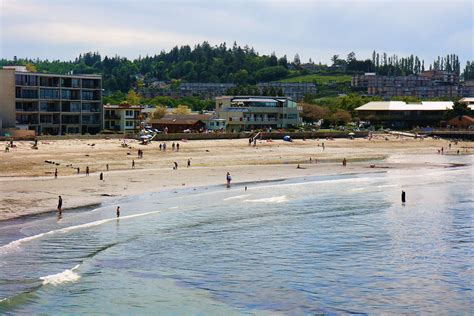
60 29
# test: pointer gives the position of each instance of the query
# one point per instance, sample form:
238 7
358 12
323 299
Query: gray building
294 90
50 103
427 84
204 89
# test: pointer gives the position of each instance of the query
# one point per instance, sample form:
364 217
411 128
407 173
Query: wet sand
28 186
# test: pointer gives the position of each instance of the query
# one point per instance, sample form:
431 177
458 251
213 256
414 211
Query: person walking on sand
118 211
133 164
87 170
56 173
229 179
175 166
78 170
60 204
161 145
189 163
107 167
344 162
177 146
101 176
324 147
172 146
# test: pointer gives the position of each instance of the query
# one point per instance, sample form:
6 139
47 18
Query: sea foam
17 243
67 275
275 199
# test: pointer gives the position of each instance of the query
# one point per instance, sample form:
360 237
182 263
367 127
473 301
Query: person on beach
172 146
101 176
87 170
56 173
458 152
107 167
164 146
189 162
250 141
175 166
118 211
133 164
177 146
229 179
161 146
60 204
323 146
78 170
403 197
344 162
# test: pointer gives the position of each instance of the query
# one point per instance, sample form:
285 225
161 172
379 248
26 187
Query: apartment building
294 90
50 103
204 89
123 117
244 113
428 84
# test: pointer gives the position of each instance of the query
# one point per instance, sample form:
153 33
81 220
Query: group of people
174 146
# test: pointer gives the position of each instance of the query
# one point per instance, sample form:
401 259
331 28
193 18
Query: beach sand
28 186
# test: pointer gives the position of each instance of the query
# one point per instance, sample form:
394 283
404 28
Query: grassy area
320 79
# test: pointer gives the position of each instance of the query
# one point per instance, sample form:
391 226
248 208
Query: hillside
320 79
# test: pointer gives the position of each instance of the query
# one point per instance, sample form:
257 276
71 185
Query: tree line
221 64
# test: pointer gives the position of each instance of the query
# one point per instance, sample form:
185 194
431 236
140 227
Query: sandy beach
28 185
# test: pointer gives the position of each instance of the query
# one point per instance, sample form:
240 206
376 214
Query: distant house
463 121
180 123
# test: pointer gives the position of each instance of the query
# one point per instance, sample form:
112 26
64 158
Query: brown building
463 121
180 123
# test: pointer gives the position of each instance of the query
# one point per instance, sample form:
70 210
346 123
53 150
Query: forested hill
206 63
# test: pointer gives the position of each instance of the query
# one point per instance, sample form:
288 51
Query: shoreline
25 190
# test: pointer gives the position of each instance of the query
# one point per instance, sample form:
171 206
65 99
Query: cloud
314 29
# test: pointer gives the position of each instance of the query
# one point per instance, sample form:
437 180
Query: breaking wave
66 276
275 199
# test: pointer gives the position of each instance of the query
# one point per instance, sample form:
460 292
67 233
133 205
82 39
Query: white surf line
16 243
67 275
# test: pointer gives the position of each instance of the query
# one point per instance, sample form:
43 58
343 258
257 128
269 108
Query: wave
66 276
236 197
17 243
275 199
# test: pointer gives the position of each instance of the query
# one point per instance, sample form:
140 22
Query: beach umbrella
351 134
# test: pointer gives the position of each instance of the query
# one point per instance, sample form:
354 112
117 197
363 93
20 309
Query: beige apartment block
50 103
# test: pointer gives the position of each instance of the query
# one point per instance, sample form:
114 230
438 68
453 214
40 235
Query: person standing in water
56 173
133 164
403 197
60 204
229 179
118 211
344 162
87 170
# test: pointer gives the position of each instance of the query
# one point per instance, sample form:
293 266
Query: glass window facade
49 94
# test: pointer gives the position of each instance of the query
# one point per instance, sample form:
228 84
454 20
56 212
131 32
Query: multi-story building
49 103
123 117
243 113
294 90
204 89
428 84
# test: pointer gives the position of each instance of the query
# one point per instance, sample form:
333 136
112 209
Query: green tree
133 98
313 113
159 112
182 110
459 109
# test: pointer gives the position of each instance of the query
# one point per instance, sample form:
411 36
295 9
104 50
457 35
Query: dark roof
180 119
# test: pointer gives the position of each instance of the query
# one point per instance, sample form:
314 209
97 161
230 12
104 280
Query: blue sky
60 29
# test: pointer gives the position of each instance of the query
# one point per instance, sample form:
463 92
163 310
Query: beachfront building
50 103
123 117
244 113
172 123
398 114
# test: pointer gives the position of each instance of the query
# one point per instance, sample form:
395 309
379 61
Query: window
87 95
66 94
129 123
49 94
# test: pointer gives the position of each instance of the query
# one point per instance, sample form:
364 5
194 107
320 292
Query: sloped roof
180 119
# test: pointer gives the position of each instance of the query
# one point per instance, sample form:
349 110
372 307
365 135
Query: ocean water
329 245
